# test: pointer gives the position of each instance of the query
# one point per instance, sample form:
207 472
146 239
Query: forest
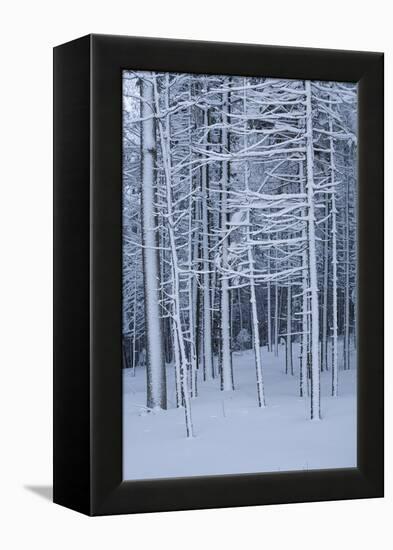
239 240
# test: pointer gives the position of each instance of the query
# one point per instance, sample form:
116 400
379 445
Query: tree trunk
315 412
155 364
134 326
324 363
346 287
255 323
289 330
226 360
305 270
191 277
276 321
208 371
269 309
165 138
334 268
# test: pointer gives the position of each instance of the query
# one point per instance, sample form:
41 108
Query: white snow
232 434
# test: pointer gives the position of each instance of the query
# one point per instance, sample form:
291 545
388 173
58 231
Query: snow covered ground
232 434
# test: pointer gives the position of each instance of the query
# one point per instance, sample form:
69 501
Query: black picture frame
87 275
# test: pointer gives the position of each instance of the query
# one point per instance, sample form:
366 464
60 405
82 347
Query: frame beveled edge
109 493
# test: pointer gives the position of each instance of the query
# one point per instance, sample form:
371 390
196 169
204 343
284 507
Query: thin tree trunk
324 363
334 267
289 330
346 287
315 412
269 308
177 361
191 278
134 327
240 308
253 301
164 132
208 371
226 360
276 322
155 364
305 270
255 322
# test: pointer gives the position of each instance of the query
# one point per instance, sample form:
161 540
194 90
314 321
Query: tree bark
226 360
165 137
208 371
315 411
155 367
334 268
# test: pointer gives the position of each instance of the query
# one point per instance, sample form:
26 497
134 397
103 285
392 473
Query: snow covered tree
239 235
155 367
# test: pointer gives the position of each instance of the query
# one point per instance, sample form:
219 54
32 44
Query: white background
29 30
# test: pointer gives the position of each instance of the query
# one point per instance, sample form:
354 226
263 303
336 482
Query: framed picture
218 275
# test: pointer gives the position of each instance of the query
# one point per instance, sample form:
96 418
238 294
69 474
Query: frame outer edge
109 494
71 316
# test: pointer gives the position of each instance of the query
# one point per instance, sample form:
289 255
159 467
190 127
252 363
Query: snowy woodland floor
233 435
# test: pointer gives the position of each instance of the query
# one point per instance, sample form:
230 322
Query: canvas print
239 274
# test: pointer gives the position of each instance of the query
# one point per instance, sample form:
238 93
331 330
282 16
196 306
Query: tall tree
226 357
155 364
315 372
164 129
